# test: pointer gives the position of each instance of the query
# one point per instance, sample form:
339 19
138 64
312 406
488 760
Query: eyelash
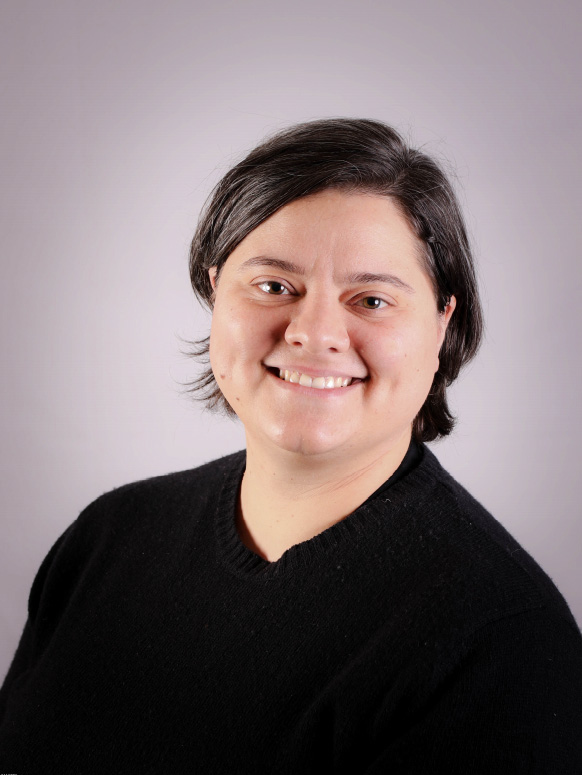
268 283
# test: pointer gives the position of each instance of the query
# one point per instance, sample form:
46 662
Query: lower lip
315 392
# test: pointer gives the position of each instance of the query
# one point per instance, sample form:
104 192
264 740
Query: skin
313 456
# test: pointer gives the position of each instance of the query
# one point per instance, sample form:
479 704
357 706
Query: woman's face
328 290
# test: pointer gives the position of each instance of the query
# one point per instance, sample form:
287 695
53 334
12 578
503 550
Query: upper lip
314 371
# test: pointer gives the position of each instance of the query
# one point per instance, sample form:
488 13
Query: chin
307 448
307 442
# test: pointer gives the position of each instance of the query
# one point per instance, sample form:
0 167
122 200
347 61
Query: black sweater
414 636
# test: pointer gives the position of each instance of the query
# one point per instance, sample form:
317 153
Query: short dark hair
355 155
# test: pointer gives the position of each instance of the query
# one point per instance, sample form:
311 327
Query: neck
288 498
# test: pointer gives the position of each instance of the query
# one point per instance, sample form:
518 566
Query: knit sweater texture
414 636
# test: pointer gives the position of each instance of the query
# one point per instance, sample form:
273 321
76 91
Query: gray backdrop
116 120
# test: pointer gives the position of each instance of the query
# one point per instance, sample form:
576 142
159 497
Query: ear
212 275
444 318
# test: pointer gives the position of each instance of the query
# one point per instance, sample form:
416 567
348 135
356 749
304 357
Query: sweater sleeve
511 703
38 615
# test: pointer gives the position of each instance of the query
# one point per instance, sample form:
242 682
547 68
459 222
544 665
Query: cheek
224 339
404 352
237 336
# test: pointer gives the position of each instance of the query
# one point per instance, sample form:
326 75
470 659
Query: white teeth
319 383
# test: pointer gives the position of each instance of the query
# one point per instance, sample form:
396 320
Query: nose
318 324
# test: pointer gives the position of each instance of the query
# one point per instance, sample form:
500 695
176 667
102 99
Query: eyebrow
357 278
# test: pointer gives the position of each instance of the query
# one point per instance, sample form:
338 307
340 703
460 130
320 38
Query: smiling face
325 331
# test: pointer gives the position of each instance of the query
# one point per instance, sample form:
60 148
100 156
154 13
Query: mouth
308 380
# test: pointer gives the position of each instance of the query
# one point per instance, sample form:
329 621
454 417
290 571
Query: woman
330 599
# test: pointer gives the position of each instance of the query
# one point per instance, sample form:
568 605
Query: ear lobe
449 309
212 276
445 317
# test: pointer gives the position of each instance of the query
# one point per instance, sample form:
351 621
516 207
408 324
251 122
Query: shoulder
471 618
476 570
201 479
170 494
150 516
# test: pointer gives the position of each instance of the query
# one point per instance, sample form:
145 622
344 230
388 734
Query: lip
313 372
328 393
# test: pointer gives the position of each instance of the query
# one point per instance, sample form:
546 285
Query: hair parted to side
356 155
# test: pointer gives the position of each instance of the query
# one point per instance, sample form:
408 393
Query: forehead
364 231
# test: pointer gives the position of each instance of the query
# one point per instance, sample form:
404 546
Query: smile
319 383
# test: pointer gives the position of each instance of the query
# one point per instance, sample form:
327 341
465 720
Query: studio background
117 118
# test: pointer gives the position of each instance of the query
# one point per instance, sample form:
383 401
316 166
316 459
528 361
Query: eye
272 287
372 302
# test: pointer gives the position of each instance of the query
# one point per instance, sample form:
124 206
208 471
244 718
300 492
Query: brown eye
372 302
272 287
